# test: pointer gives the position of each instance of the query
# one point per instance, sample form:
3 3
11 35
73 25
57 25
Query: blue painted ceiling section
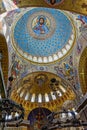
48 46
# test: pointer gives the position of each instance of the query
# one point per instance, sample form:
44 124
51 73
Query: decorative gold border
73 30
83 71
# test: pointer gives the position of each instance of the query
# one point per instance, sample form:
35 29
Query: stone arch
83 71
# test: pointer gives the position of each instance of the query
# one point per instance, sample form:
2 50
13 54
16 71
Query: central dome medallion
41 25
43 35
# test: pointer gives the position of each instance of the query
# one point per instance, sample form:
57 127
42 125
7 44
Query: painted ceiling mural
41 86
44 36
71 5
38 41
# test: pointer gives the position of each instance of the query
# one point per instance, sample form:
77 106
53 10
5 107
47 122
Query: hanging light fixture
10 111
63 119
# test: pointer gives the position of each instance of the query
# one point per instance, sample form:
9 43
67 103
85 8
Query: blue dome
59 33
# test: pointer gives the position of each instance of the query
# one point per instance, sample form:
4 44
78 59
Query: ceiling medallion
54 2
41 25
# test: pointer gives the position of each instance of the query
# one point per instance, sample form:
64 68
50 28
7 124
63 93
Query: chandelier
63 119
10 111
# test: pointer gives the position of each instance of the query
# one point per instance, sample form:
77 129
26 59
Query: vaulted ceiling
34 59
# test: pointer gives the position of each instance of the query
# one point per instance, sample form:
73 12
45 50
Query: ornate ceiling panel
41 88
71 5
43 33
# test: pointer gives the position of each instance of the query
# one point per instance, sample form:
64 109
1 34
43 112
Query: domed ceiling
41 88
46 34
